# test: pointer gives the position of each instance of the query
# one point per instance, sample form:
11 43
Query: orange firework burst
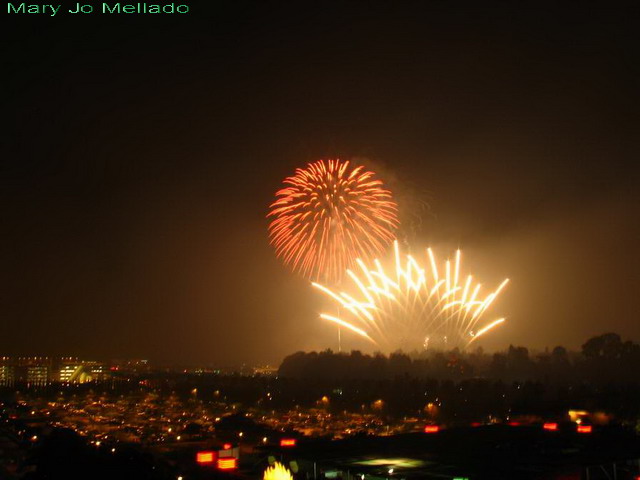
328 215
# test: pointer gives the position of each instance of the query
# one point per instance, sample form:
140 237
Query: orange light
205 457
550 426
226 446
227 463
288 442
431 429
585 428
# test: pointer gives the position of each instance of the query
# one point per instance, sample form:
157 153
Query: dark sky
142 153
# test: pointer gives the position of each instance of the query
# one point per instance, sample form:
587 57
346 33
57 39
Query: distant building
34 371
266 370
6 372
68 370
131 366
38 375
71 370
69 373
98 371
41 371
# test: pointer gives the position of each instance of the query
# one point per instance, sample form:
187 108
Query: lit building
7 373
34 371
38 375
72 370
40 371
96 370
69 373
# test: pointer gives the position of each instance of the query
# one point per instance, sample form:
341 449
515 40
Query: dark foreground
482 452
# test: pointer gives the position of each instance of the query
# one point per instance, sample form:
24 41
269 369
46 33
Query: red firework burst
328 215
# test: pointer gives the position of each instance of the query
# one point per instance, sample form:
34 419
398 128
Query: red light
205 457
431 429
585 428
288 442
476 424
550 426
226 446
227 463
514 424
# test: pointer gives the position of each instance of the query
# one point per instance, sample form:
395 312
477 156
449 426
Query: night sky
142 154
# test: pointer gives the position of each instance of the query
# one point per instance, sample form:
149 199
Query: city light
227 463
288 442
585 428
431 429
205 457
550 426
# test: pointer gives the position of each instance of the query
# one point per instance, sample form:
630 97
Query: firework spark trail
342 323
407 307
328 215
484 330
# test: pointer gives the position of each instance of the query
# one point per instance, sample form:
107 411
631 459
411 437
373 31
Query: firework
413 307
277 472
328 215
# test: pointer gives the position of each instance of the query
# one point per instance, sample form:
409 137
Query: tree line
604 358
